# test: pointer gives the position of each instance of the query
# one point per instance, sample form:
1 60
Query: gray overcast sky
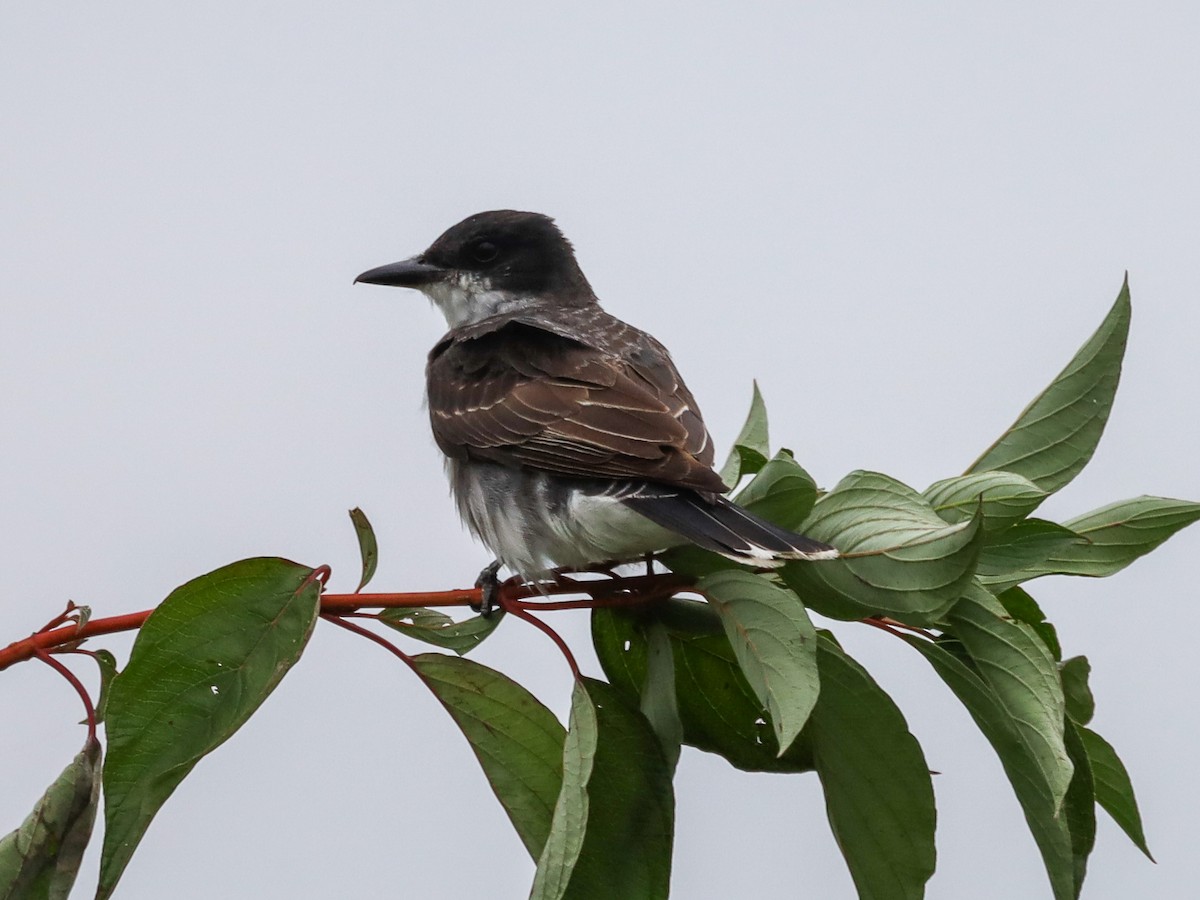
901 218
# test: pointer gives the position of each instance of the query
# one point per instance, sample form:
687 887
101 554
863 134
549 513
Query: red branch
605 592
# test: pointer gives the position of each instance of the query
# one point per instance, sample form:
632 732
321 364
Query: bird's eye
484 251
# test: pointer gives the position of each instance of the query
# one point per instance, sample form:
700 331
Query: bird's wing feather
523 395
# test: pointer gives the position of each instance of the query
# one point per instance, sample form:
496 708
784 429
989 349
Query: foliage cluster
742 672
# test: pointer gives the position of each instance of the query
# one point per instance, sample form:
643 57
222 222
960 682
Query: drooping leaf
40 859
775 643
569 821
1022 675
1114 790
658 703
751 448
878 792
718 710
1081 706
439 629
1079 805
1116 535
518 742
203 662
1006 498
1035 794
613 824
368 547
782 492
1056 435
898 557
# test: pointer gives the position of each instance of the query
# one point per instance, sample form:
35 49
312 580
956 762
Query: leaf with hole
203 662
717 708
438 629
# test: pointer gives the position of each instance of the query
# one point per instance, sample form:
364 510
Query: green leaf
1118 534
368 547
751 449
1081 706
1079 806
718 710
1114 790
1022 607
1036 796
439 629
782 492
203 662
518 742
40 859
1008 555
1056 435
1022 675
1006 497
898 557
775 644
658 701
108 671
613 824
878 792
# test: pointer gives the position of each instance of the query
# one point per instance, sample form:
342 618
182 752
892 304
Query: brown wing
522 395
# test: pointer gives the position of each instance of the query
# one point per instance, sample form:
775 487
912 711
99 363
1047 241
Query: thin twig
79 689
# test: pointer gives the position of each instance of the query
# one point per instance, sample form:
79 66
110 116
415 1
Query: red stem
521 612
369 635
19 651
79 689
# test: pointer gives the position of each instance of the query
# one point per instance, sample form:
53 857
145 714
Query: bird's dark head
492 262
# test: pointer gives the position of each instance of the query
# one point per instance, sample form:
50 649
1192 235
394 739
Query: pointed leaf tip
368 547
751 449
1056 435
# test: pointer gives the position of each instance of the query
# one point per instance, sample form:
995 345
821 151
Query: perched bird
570 438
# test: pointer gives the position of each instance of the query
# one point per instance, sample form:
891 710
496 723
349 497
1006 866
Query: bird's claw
489 588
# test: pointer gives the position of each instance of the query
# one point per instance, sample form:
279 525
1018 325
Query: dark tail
724 527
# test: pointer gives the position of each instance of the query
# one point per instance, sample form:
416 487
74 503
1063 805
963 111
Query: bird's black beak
407 273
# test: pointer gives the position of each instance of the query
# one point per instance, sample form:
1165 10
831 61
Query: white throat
466 298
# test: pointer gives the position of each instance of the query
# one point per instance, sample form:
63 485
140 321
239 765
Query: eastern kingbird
570 438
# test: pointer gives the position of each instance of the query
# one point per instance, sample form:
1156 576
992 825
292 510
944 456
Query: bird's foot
489 586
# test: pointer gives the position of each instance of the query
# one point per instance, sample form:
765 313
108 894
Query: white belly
533 522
